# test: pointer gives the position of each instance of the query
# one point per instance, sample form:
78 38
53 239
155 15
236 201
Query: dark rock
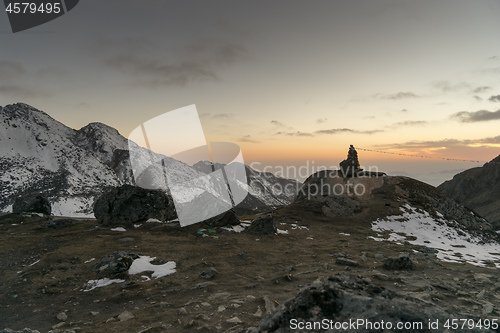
346 262
32 203
478 189
263 224
115 263
225 219
398 263
342 298
130 204
209 273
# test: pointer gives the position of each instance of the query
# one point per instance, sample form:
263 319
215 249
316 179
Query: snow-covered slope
452 241
71 167
265 190
37 154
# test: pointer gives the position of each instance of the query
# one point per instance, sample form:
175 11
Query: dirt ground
45 270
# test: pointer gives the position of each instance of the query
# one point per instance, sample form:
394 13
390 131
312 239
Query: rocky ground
46 264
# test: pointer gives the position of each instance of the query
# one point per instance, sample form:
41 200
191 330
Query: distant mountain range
478 189
72 167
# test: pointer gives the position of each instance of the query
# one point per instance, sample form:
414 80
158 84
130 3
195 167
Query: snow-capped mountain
265 190
72 167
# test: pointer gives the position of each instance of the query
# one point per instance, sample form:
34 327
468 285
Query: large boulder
263 224
344 299
131 204
115 263
32 203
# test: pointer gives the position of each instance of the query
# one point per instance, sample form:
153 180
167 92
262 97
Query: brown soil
250 267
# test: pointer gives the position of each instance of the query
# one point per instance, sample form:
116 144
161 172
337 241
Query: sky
293 83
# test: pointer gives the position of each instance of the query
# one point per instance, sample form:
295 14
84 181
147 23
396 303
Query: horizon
290 82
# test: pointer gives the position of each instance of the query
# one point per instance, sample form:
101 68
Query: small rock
258 313
263 224
487 308
209 273
346 262
398 263
62 316
182 311
205 304
269 305
203 317
56 326
125 315
94 313
380 276
481 294
221 308
379 256
234 320
482 278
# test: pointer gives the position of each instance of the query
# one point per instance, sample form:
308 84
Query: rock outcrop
478 189
263 224
32 203
130 204
344 299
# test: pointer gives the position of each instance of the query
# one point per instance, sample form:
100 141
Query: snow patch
92 284
284 232
433 232
143 264
121 229
72 207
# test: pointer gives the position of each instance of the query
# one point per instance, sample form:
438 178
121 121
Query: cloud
446 143
477 98
410 123
446 86
404 110
150 72
19 82
321 120
495 98
477 116
493 57
247 138
195 62
399 95
9 69
297 133
277 123
481 89
346 130
21 92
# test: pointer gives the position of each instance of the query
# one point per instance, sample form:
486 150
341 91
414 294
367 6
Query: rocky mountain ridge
72 167
478 189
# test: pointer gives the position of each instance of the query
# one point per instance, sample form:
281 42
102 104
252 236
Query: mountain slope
72 167
265 190
478 189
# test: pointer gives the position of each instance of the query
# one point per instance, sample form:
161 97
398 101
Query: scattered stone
26 330
482 278
399 263
379 256
182 311
205 304
380 276
263 224
56 326
125 315
94 313
481 294
288 269
129 204
223 295
234 320
269 305
126 239
221 308
258 313
62 316
115 263
209 273
487 308
202 317
32 203
346 262
259 278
